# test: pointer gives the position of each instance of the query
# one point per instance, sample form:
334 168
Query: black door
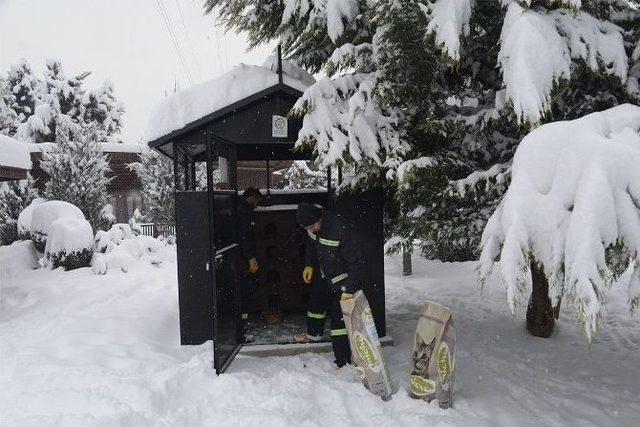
226 272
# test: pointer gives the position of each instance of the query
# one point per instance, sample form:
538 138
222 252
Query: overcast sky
125 41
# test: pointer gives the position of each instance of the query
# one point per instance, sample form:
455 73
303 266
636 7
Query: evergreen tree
14 197
436 95
156 174
102 108
8 117
22 90
77 170
61 96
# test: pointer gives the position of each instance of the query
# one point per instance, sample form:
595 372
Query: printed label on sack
422 386
369 324
365 351
444 362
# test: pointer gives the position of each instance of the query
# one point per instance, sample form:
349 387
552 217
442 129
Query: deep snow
80 349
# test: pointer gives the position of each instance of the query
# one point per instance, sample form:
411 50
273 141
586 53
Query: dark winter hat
308 214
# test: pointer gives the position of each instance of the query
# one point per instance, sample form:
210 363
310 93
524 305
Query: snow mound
24 219
17 258
574 206
196 102
14 154
68 234
122 255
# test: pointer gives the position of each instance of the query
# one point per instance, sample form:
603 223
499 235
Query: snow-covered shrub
24 219
105 240
14 198
43 215
69 243
121 255
573 209
134 221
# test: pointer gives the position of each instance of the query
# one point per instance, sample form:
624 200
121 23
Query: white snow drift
574 195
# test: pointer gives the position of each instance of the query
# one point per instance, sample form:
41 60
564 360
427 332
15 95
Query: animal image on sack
434 356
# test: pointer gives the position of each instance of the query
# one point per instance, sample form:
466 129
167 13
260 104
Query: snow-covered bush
43 214
106 240
121 254
571 215
14 198
135 220
69 243
24 219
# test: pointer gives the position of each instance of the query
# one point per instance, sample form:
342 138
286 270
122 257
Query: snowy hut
15 160
242 116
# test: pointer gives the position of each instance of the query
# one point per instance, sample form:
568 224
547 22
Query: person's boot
303 338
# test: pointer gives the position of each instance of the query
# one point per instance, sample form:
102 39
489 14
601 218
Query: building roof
107 147
14 154
196 103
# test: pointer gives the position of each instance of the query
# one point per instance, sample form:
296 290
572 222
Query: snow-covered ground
80 349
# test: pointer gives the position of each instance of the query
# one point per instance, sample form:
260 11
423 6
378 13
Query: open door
226 273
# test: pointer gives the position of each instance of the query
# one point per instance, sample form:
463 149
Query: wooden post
407 269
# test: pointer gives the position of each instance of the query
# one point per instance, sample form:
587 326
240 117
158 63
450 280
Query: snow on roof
189 105
14 154
107 147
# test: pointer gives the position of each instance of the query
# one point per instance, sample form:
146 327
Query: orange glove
253 266
307 274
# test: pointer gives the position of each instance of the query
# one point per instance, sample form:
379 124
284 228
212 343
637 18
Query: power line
187 33
174 40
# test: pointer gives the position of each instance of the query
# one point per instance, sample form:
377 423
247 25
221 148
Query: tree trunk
406 263
540 313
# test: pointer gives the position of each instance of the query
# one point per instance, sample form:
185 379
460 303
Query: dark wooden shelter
209 264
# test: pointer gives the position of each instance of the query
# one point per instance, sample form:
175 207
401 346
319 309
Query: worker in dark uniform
247 204
332 258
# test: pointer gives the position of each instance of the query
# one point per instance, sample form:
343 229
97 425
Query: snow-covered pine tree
102 108
21 92
8 117
156 174
14 197
443 110
61 96
488 111
569 224
77 170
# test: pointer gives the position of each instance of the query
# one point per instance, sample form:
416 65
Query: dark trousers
322 299
247 290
